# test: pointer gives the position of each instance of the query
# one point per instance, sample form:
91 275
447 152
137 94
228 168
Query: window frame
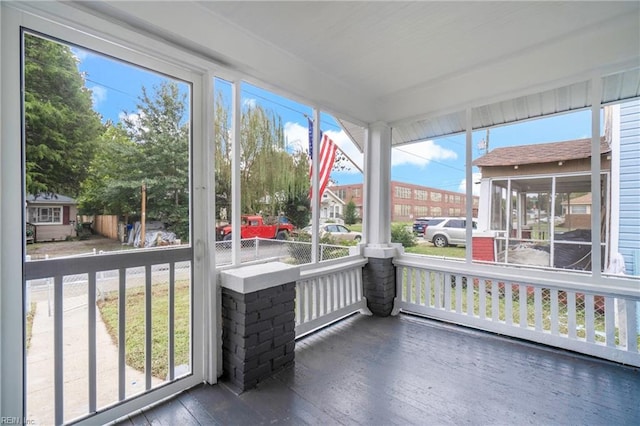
38 215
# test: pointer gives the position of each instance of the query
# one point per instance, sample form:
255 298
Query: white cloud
133 118
298 139
297 136
420 154
476 184
98 95
249 103
80 54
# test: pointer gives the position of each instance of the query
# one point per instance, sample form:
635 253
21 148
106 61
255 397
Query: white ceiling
414 65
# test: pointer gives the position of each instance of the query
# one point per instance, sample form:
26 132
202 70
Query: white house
53 216
331 207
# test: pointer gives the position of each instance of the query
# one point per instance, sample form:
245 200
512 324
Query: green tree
113 184
61 125
350 214
298 209
161 130
222 159
272 179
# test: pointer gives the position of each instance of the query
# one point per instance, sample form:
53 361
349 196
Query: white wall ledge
251 278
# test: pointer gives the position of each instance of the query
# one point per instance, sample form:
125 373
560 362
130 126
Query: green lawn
430 250
135 326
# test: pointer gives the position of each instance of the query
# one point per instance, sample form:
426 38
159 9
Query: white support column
11 219
236 113
377 185
213 352
596 252
315 180
469 187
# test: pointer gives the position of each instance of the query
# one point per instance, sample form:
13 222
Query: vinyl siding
629 231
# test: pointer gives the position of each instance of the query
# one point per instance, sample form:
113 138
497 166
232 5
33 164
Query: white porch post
236 197
378 275
11 221
377 185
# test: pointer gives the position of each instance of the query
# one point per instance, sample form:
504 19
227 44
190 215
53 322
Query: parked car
445 231
338 232
419 225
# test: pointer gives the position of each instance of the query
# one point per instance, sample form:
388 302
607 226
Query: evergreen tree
350 214
61 125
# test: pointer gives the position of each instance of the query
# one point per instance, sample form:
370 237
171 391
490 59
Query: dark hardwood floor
407 370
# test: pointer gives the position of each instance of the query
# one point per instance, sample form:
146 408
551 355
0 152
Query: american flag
327 158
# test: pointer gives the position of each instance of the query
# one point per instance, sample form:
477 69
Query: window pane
107 168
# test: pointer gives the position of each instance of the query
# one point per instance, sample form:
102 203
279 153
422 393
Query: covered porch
391 74
411 370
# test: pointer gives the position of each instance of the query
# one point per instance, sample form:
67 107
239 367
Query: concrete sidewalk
40 364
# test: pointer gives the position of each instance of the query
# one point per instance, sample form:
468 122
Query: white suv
445 231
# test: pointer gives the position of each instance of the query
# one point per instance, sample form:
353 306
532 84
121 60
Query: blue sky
438 163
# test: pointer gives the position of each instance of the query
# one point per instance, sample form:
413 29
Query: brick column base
258 327
379 282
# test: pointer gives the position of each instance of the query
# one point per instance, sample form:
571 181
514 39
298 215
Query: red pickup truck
278 228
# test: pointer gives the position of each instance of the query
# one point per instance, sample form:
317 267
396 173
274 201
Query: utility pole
143 216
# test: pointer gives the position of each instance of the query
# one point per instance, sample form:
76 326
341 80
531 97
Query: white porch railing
327 292
549 308
76 283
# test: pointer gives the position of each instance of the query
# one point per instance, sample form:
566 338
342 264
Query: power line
431 160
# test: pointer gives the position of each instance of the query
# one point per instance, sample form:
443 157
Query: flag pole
340 149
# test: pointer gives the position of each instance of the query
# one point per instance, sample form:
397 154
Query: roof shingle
540 153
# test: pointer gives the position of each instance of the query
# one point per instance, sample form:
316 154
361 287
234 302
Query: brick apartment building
409 201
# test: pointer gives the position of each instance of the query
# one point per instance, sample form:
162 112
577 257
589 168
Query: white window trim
65 22
37 222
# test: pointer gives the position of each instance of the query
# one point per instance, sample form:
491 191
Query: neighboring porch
411 370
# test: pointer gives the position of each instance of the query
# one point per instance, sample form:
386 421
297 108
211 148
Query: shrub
403 235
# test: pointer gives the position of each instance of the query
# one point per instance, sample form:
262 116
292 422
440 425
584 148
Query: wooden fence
106 225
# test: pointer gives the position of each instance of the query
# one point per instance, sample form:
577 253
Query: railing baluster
470 297
58 346
298 302
458 293
122 303
508 303
495 301
553 294
437 285
609 321
342 289
91 305
632 325
317 287
537 302
522 301
447 292
148 327
172 314
413 285
571 314
482 296
589 318
333 293
428 276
